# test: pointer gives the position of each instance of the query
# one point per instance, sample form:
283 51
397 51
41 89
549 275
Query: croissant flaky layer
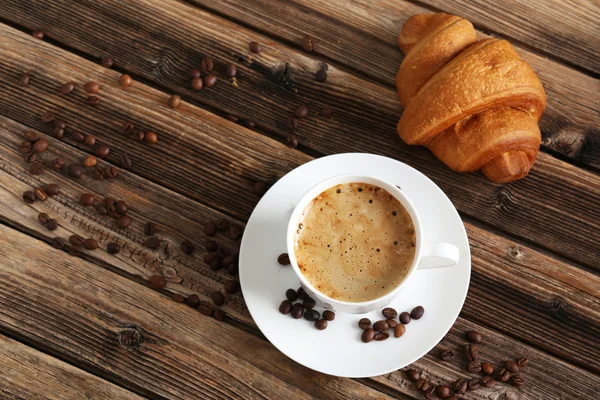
474 104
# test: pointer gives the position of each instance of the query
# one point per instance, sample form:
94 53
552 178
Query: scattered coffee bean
326 112
292 123
255 47
40 145
36 168
195 73
302 295
77 136
473 384
228 260
208 258
124 221
89 161
125 80
219 315
522 362
152 243
93 100
43 218
297 311
102 151
128 128
516 380
211 245
75 170
283 259
389 313
382 336
140 136
90 244
248 123
107 62
301 111
292 141
31 136
102 209
57 243
487 368
381 325
429 391
320 324
90 140
471 352
368 335
321 75
217 298
197 83
174 101
121 207
443 391
38 34
422 384
308 43
210 229
232 286
125 160
112 248
92 87
52 224
29 197
40 194
328 315
32 157
232 118
405 318
210 80
157 282
24 79
206 64
58 133
177 298
474 367
391 323
413 375
291 295
488 381
25 147
312 315
474 337
459 386
216 264
285 307
309 303
512 366
231 70
417 312
87 199
193 301
47 116
447 355
399 330
111 172
503 375
67 88
99 174
364 323
76 240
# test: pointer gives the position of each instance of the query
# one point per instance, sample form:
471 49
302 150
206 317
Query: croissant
474 104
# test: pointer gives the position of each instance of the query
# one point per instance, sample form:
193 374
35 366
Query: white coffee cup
437 254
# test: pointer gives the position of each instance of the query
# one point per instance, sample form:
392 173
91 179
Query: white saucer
338 350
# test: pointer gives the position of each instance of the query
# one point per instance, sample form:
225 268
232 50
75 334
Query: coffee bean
328 315
302 295
24 79
93 100
473 384
488 381
99 174
312 315
210 80
25 147
368 335
471 352
177 298
217 298
210 229
231 70
320 324
447 355
102 151
57 164
40 145
57 243
511 366
474 337
38 34
487 368
389 313
31 136
285 307
197 83
87 199
125 160
399 330
47 116
321 75
422 384
309 303
52 224
291 295
111 172
522 362
128 128
89 161
429 391
326 112
92 87
413 375
417 312
232 286
228 260
77 136
297 311
124 221
112 248
31 157
195 73
206 64
75 170
193 301
107 62
405 318
292 123
503 375
474 367
29 197
364 323
125 80
232 118
90 244
382 336
516 380
255 47
208 258
121 207
157 282
308 43
36 168
443 391
174 101
301 111
211 245
391 323
216 264
67 88
187 247
381 325
292 141
43 218
283 259
248 123
40 194
459 386
152 242
76 240
58 133
139 136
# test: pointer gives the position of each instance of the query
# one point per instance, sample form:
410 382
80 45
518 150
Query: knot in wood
503 200
514 252
130 338
559 309
568 142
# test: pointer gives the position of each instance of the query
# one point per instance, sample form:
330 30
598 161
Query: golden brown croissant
474 104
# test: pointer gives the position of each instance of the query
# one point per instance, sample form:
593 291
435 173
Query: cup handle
438 255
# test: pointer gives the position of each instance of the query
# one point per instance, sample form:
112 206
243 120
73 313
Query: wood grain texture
525 208
567 30
32 375
86 313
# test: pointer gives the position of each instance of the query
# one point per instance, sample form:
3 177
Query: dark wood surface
535 287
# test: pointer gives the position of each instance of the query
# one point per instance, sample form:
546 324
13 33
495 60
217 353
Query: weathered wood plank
30 374
85 313
525 208
556 299
567 30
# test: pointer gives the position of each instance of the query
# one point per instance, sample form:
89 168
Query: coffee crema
355 242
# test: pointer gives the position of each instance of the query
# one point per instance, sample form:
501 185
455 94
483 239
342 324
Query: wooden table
88 325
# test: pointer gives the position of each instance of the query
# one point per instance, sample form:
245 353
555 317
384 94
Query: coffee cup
426 255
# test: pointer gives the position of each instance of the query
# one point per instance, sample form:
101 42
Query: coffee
355 242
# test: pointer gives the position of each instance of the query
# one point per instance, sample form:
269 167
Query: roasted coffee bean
187 247
328 315
235 231
292 141
429 391
447 355
57 243
292 123
99 174
474 337
405 318
43 218
125 160
40 145
112 248
255 47
206 64
124 221
474 367
231 70
77 136
512 366
206 308
174 101
29 197
488 381
503 375
219 314
210 80
208 258
217 298
195 73
309 303
248 123
31 136
90 140
59 123
139 136
232 286
87 199
301 111
285 307
92 87
40 194
152 242
321 75
157 282
459 386
24 79
368 335
67 88
177 298
89 161
216 264
76 240
471 352
381 325
522 362
291 295
121 207
473 384
90 244
283 259
197 83
312 315
211 245
389 313
422 384
326 112
32 157
125 80
111 172
382 336
487 368
516 380
36 168
227 261
102 209
443 391
25 147
391 323
47 116
259 188
364 323
210 229
193 301
320 324
128 128
302 295
93 100
413 375
102 151
107 62
57 164
308 43
52 224
297 311
399 330
417 312
232 118
75 170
